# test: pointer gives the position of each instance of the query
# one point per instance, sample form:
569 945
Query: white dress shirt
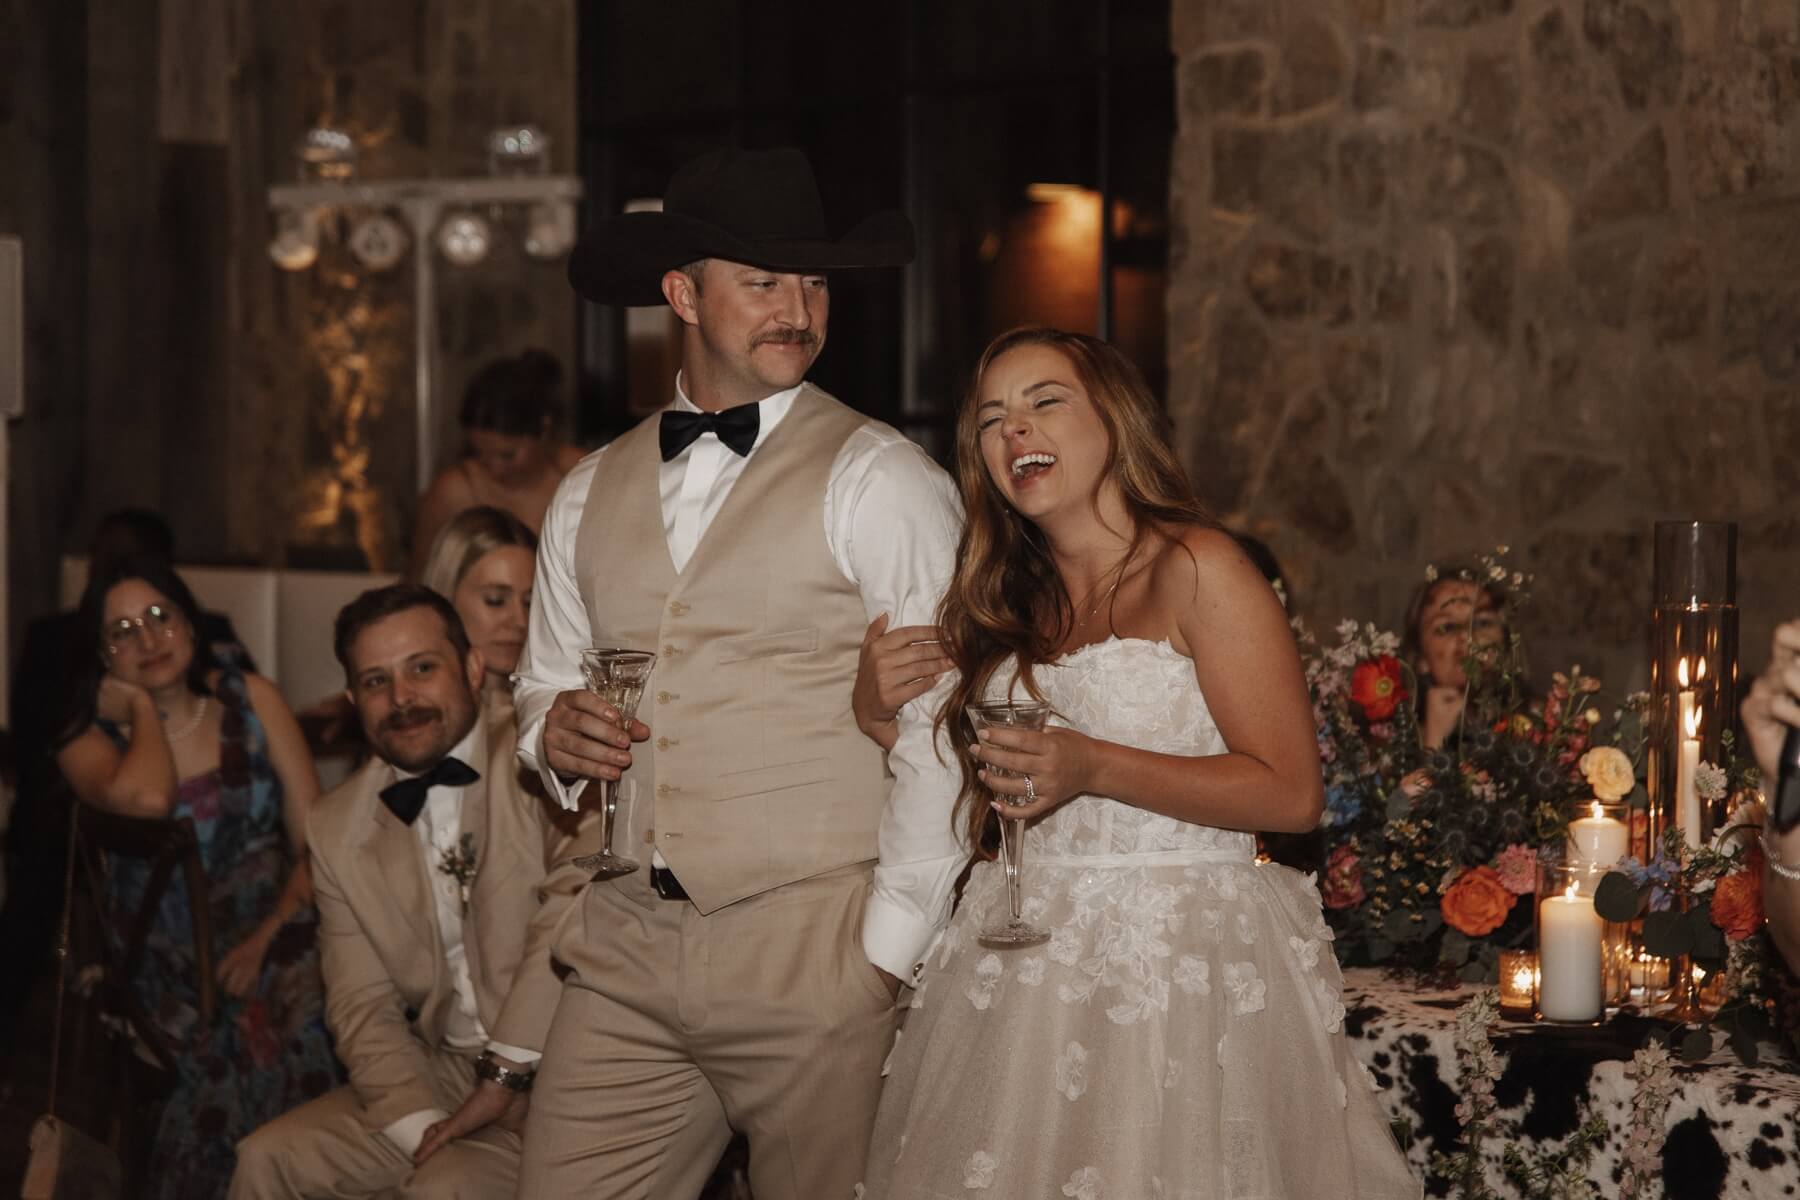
901 567
439 829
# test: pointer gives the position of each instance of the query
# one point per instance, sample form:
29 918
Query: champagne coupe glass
1010 714
617 677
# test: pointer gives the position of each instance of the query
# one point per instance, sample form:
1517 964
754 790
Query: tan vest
755 774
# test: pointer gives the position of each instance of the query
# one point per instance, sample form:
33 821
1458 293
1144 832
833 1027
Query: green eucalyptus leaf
1619 899
1476 971
1398 804
1380 949
1743 1044
1708 942
1666 935
1454 950
1696 1044
1399 926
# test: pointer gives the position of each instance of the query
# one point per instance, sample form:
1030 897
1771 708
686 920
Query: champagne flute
617 677
1010 714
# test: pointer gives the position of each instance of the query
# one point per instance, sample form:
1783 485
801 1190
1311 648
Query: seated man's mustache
411 718
782 337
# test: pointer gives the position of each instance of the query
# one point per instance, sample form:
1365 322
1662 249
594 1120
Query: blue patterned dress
269 1051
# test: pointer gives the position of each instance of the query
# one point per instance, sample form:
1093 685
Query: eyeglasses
159 621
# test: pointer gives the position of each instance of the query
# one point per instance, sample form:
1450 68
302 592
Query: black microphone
1785 809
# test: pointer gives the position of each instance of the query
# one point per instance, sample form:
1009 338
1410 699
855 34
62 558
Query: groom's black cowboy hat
759 207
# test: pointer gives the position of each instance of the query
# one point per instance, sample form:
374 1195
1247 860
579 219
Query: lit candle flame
1699 669
1681 671
1597 813
1693 723
1572 892
1522 979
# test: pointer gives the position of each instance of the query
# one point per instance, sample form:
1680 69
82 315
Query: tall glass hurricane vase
1009 714
617 677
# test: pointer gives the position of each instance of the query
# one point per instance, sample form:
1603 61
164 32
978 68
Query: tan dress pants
675 1028
324 1148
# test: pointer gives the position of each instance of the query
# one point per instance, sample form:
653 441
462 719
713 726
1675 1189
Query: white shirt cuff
894 939
516 1054
409 1131
567 794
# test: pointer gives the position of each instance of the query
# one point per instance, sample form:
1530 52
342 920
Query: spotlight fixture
378 242
464 238
295 246
326 154
550 229
518 150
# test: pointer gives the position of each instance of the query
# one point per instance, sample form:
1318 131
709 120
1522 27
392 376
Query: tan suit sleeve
531 1002
366 1014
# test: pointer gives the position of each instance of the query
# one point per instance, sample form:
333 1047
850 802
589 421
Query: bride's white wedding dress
1181 1033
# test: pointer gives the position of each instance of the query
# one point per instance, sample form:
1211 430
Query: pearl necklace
193 723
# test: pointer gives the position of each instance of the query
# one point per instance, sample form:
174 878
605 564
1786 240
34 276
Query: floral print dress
1180 1035
265 1053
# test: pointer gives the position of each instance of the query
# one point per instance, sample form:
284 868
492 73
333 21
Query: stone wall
1453 273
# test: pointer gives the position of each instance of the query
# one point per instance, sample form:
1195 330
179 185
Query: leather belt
664 884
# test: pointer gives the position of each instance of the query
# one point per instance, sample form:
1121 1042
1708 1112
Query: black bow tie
736 427
405 798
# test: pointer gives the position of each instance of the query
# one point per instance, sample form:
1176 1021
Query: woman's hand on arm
139 781
894 667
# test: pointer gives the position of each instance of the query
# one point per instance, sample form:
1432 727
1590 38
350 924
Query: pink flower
1517 867
1343 879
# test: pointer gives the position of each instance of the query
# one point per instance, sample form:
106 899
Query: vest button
678 609
663 743
663 789
671 651
666 697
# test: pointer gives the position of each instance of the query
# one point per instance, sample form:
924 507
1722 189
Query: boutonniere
459 862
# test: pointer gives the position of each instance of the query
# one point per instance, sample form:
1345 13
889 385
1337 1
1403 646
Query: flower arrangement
1706 904
1430 850
459 862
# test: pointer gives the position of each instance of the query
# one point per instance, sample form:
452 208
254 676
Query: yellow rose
1608 772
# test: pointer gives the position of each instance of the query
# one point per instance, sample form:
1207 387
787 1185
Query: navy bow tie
405 798
736 427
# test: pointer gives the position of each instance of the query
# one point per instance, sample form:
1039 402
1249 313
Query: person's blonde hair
468 537
1007 599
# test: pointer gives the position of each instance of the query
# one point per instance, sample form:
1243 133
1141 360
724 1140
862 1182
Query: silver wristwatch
489 1068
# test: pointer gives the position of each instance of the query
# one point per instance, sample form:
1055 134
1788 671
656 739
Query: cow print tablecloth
1733 1131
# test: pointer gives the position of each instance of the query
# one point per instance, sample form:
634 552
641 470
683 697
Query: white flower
979 1174
1191 975
1065 945
1211 921
1246 932
1709 781
1031 971
1083 1185
1608 772
1225 884
979 996
1071 1071
989 967
1245 988
1306 950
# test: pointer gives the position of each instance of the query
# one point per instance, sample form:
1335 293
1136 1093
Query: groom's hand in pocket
1061 763
583 737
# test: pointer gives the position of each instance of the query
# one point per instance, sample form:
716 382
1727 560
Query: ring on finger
1030 791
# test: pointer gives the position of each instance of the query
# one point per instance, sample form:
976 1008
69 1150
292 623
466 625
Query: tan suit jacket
388 988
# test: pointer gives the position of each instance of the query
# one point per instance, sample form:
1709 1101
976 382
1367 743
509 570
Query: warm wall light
295 246
378 242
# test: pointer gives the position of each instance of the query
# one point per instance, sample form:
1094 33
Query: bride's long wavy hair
1007 598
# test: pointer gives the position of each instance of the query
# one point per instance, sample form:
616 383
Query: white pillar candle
1597 840
1569 936
1687 795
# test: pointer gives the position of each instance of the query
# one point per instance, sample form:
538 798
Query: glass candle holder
1648 976
1599 834
1518 983
1574 944
1693 671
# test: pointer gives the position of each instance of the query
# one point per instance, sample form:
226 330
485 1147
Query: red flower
1343 879
1377 687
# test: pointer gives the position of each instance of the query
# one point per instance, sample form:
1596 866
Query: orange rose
1477 903
1737 906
